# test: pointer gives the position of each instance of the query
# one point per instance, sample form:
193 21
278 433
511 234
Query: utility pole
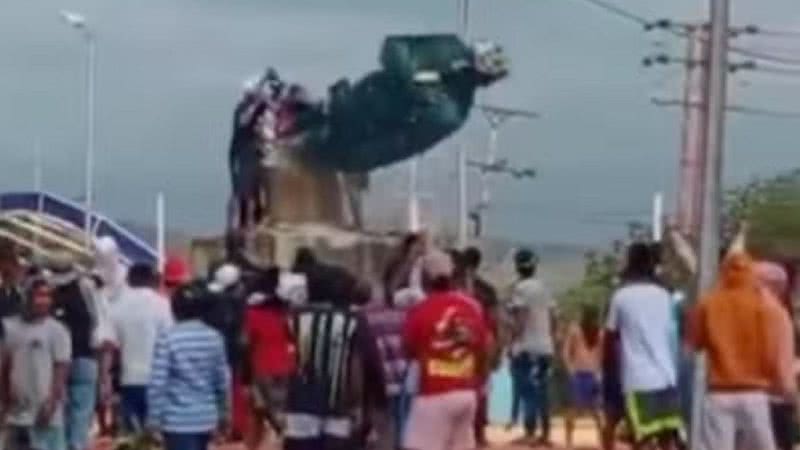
695 123
711 188
461 157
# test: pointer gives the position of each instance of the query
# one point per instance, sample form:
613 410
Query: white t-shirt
537 304
642 315
33 348
139 316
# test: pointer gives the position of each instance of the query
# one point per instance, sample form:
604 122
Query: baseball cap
525 258
225 277
436 264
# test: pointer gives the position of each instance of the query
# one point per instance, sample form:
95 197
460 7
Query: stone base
302 194
362 253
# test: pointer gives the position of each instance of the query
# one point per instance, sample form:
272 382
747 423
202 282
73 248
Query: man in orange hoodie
732 325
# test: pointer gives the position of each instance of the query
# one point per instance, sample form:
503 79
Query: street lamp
79 23
496 116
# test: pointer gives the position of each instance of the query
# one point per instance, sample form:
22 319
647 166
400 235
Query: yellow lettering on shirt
462 368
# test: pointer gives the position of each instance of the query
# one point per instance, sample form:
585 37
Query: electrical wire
790 34
619 11
765 56
778 70
748 110
765 112
639 20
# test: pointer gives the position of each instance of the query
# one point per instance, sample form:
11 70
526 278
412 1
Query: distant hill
176 239
561 264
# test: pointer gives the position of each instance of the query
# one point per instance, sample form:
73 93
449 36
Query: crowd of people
313 357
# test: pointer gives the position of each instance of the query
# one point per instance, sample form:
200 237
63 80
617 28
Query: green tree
596 285
771 207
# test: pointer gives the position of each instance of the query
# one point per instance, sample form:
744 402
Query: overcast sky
170 71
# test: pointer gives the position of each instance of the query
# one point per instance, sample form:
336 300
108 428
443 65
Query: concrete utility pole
712 192
695 123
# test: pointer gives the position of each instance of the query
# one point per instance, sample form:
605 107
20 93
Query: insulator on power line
752 29
664 23
745 65
661 24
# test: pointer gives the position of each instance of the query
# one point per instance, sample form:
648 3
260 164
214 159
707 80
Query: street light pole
414 221
461 157
463 18
79 23
90 134
495 122
496 116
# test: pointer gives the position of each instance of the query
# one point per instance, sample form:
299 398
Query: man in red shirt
270 357
447 336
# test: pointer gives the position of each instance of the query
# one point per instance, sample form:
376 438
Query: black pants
783 424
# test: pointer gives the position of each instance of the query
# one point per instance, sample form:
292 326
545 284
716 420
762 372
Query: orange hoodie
732 325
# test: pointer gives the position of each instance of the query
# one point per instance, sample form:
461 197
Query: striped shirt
387 327
339 376
190 381
327 338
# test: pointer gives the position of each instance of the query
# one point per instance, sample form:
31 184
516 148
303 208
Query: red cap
176 270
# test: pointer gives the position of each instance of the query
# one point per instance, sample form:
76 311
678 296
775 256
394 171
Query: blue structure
73 215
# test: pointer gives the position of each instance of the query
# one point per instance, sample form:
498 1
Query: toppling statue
422 94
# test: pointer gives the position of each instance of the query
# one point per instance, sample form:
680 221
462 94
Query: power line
669 26
765 56
619 12
778 70
748 110
765 112
791 34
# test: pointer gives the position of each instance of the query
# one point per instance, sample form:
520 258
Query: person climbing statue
245 155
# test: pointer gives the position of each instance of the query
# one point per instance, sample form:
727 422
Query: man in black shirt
485 293
339 386
77 305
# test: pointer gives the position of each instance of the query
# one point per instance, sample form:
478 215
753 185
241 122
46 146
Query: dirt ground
500 439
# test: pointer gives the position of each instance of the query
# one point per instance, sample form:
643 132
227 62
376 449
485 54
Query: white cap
107 246
226 276
293 288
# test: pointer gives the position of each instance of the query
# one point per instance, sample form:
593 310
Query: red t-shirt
272 352
448 336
